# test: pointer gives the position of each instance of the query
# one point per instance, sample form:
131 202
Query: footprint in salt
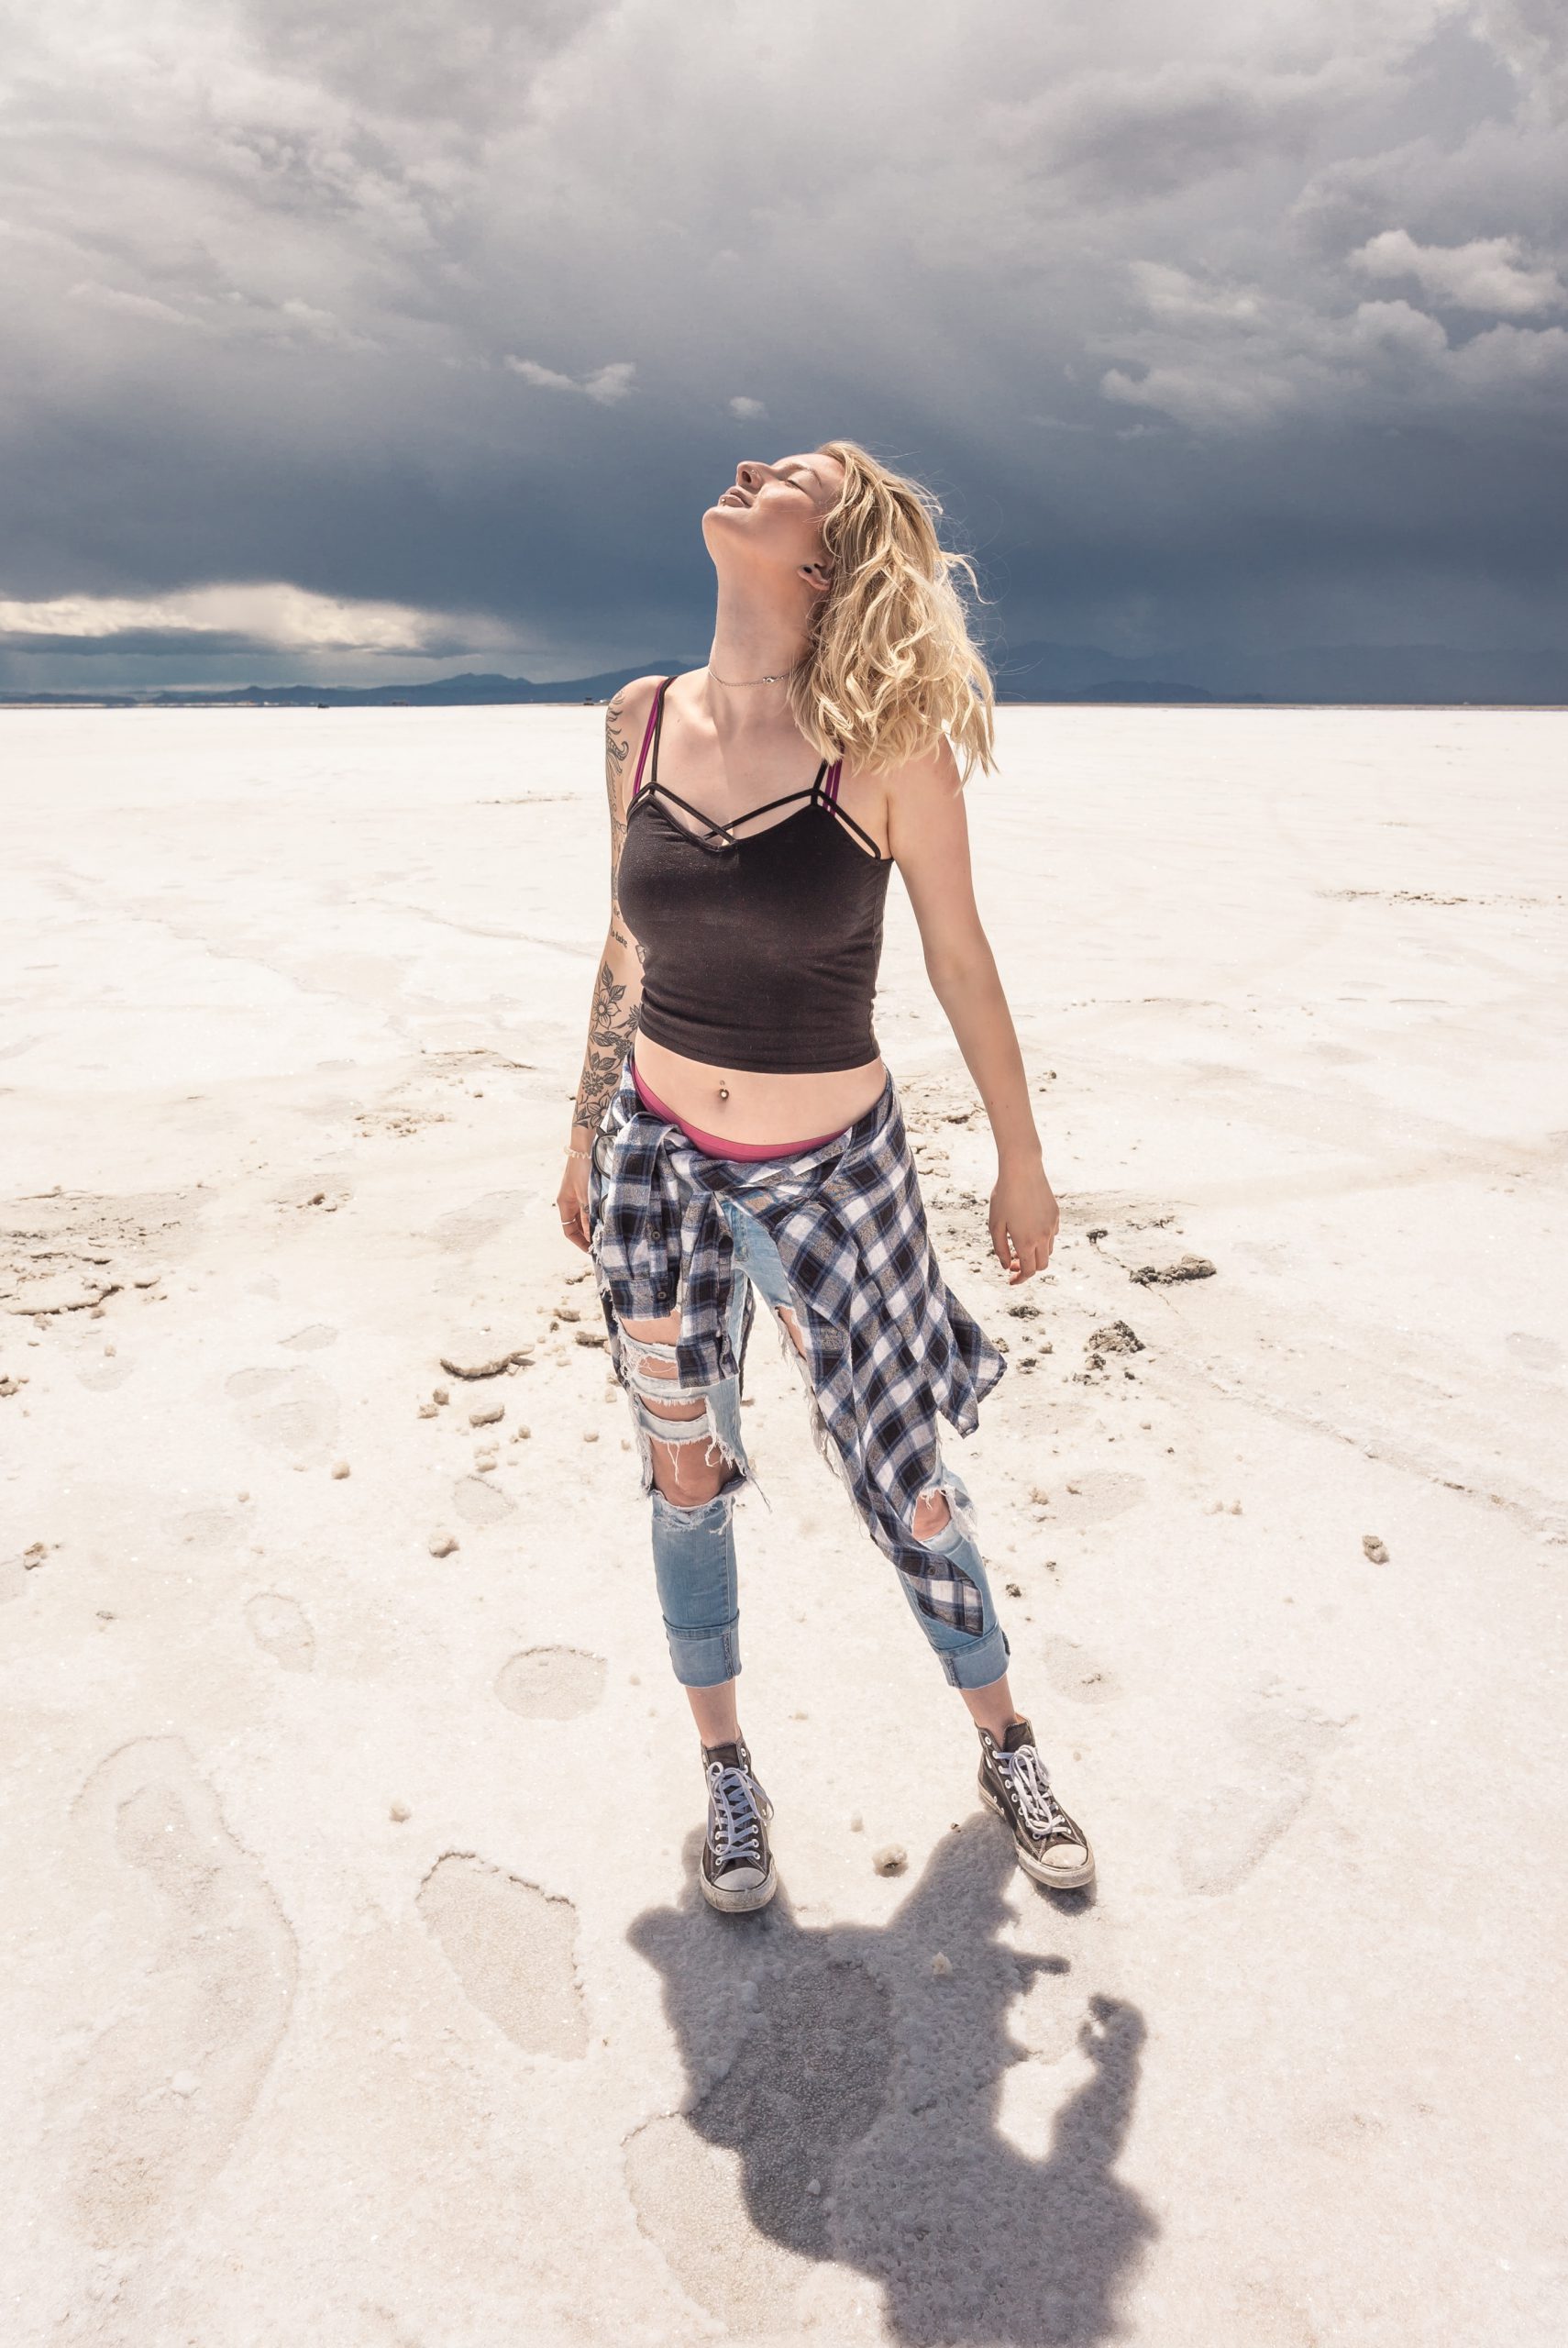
479 1501
551 1683
1073 1672
512 1948
479 1222
205 1528
292 1411
311 1340
167 2090
280 1627
1094 1495
1224 1836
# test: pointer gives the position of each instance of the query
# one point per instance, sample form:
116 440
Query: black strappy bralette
760 952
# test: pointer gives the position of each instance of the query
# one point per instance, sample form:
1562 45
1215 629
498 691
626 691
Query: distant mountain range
1411 675
443 693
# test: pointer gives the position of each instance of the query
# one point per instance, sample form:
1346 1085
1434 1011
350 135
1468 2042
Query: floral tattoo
611 1025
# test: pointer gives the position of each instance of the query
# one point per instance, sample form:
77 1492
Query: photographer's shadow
858 2084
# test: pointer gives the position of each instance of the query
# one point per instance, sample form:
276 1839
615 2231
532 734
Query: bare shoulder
926 822
932 777
626 717
685 691
637 696
628 708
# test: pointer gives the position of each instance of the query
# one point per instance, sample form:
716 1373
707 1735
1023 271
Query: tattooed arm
618 988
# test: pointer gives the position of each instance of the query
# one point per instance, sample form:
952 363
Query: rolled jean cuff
704 1658
977 1662
967 1660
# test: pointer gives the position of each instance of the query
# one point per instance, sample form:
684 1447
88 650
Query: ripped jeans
694 1548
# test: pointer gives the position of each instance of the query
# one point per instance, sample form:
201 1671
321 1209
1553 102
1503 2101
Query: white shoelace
735 1822
1038 1806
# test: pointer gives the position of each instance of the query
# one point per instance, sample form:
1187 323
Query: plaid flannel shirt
888 1347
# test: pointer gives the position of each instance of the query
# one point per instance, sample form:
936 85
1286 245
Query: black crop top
762 953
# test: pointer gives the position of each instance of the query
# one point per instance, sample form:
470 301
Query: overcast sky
362 337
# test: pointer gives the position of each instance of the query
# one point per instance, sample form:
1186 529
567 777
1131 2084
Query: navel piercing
723 1092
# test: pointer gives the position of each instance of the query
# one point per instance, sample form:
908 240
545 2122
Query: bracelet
579 1153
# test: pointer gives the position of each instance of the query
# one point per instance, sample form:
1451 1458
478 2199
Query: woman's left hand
1024 1220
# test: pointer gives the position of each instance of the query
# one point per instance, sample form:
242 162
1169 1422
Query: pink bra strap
830 786
648 735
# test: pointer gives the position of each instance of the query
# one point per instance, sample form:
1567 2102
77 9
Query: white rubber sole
1056 1879
739 1903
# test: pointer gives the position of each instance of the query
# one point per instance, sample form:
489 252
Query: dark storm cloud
1205 322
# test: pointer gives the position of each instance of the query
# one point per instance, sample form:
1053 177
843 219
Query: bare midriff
738 1104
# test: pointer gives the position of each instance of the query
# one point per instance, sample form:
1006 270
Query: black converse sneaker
1014 1782
737 1866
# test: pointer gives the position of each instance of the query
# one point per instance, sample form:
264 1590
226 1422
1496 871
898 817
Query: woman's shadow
859 2084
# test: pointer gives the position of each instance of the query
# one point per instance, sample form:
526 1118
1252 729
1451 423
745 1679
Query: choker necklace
732 684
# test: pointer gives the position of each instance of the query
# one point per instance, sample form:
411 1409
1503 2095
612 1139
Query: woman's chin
719 521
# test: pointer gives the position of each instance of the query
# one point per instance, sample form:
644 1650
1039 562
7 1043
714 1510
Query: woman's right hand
571 1200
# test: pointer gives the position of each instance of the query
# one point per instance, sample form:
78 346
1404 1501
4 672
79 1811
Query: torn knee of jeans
955 1523
931 1516
681 1435
676 1423
717 1509
669 1407
684 1435
680 1426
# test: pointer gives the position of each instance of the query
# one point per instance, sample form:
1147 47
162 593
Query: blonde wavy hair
890 669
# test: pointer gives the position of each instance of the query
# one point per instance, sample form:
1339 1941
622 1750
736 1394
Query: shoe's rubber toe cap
740 1887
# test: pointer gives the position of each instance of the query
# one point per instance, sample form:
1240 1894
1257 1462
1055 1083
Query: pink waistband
713 1145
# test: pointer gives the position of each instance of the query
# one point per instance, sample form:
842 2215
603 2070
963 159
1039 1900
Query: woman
754 1141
